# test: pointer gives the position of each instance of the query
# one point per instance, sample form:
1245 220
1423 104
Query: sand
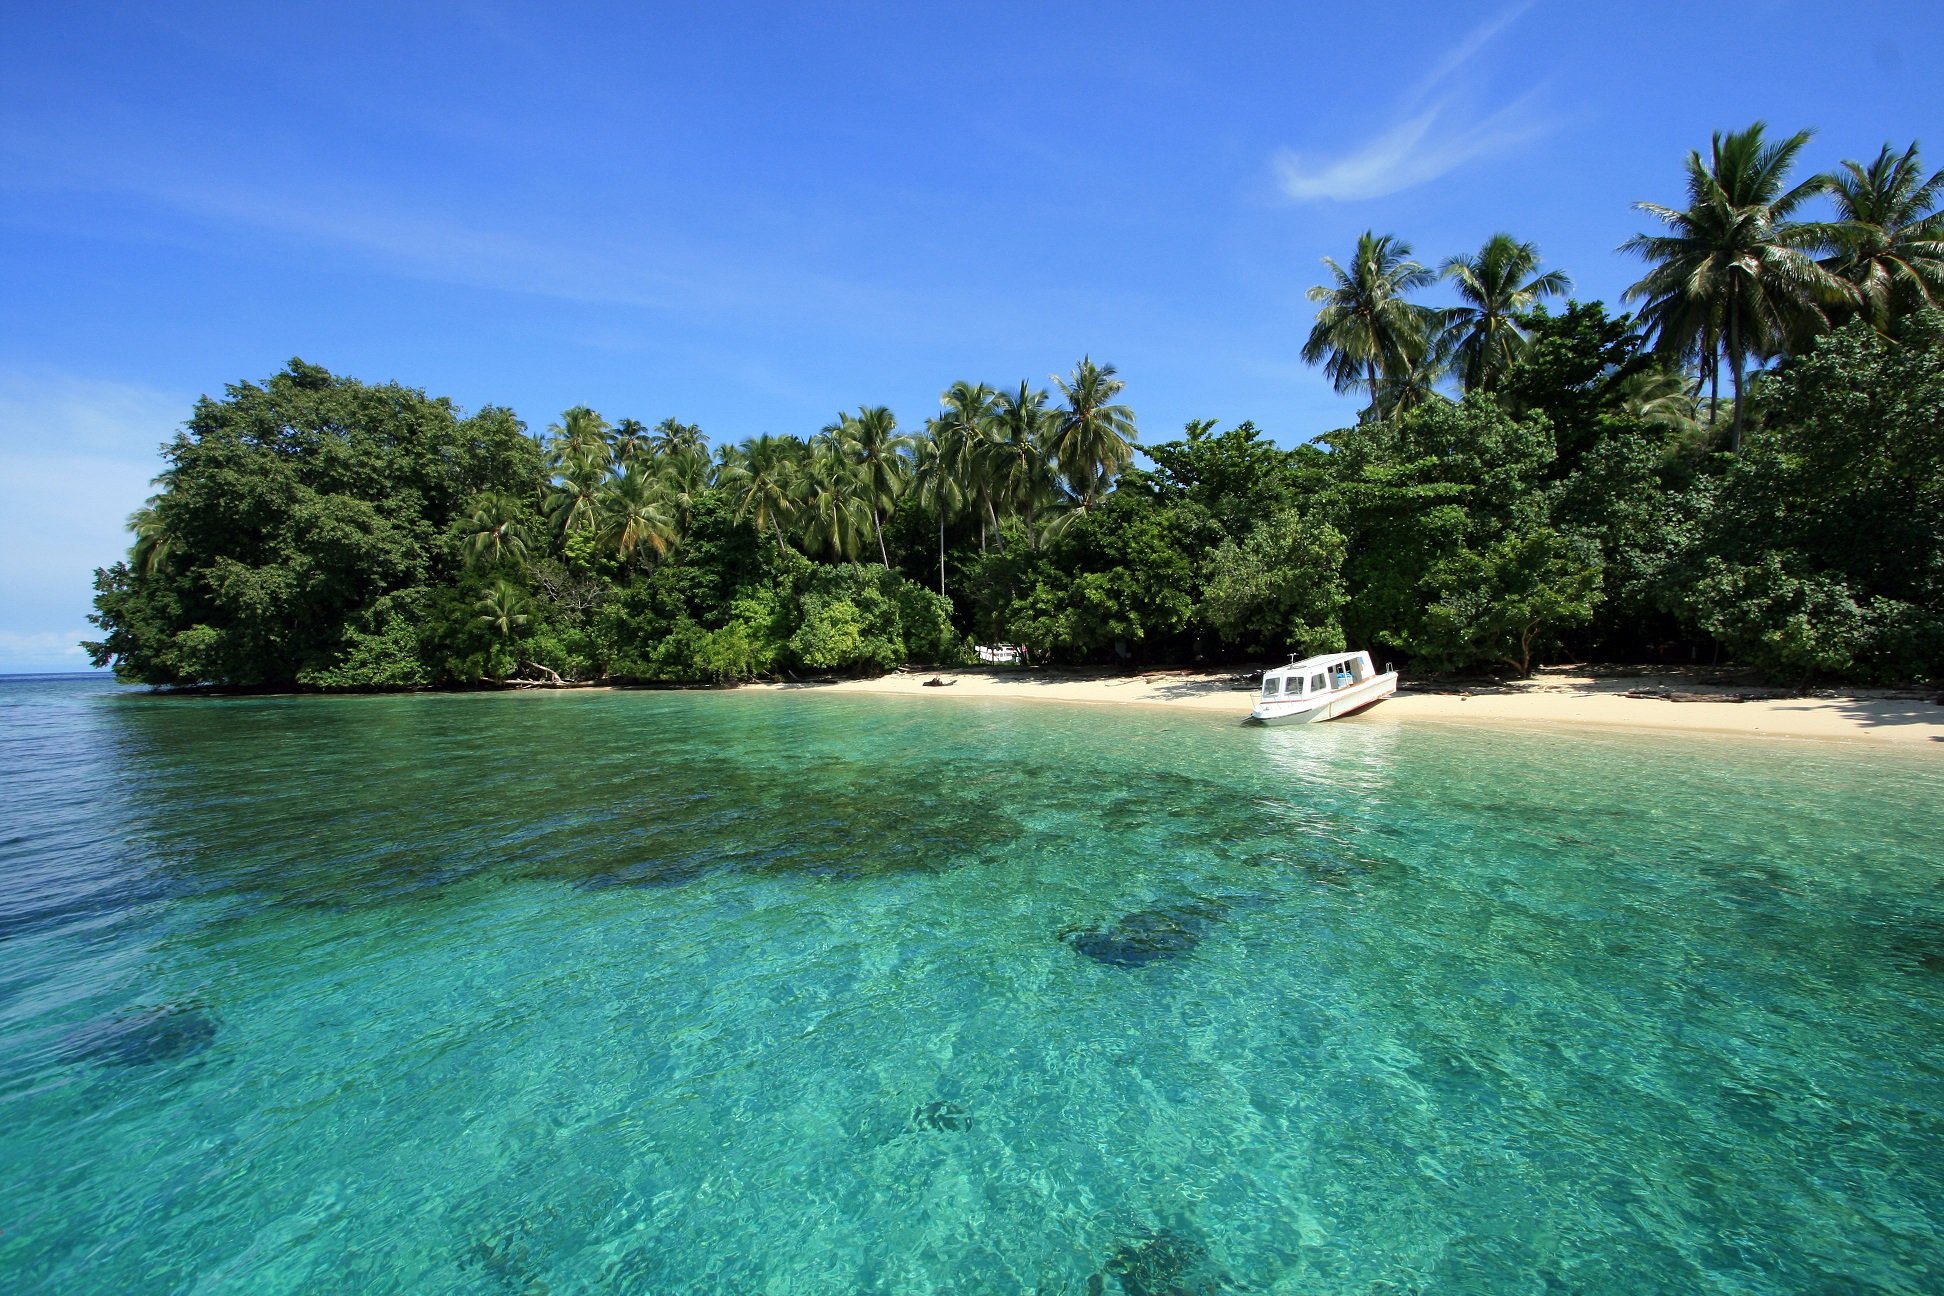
1683 701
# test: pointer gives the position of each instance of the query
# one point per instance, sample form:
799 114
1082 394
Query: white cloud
1432 135
1467 49
1415 151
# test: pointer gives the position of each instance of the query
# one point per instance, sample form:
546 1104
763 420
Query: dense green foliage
1522 483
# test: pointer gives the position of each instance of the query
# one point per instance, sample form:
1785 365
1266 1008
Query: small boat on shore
1321 688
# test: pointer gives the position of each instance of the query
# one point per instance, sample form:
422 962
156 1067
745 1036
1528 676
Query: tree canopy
1524 482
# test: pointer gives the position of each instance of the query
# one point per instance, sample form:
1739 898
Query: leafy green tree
1571 371
1822 550
1366 331
291 509
1625 495
1497 285
1118 583
1659 398
1281 589
1239 476
1509 600
833 636
1416 492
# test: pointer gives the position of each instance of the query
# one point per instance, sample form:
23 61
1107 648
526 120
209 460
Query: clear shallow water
717 992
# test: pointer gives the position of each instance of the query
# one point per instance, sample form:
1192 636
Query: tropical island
1532 477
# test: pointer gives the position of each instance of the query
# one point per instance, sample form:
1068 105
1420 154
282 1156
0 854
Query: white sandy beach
1559 697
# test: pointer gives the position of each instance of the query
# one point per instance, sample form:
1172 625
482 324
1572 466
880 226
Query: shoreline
1675 701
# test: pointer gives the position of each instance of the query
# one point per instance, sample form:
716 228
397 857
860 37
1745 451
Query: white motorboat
1321 688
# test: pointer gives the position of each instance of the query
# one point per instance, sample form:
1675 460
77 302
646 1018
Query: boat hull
1331 706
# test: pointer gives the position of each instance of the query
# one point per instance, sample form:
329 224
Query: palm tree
1733 278
877 448
674 437
964 430
154 543
630 440
1091 439
684 475
1416 382
1890 238
934 476
505 610
1366 331
729 461
1659 397
763 482
831 512
1020 473
580 434
495 531
574 504
633 513
1497 285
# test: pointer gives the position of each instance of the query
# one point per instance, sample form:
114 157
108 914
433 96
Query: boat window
1272 685
1318 683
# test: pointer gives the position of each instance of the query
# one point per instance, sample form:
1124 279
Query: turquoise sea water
641 992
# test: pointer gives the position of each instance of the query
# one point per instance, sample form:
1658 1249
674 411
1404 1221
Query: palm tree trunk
1714 384
879 523
941 553
1736 359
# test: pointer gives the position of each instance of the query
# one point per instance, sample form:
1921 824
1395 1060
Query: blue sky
751 217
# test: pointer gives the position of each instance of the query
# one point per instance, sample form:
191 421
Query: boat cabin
1314 676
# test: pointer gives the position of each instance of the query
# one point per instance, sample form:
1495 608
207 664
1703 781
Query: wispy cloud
640 267
1435 132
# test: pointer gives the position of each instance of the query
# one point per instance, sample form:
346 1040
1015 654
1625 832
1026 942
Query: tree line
1522 482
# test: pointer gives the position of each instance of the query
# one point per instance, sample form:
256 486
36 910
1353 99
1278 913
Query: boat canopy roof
1327 661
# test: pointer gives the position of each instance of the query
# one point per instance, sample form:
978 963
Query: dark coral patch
1161 1263
144 1036
651 874
1149 936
